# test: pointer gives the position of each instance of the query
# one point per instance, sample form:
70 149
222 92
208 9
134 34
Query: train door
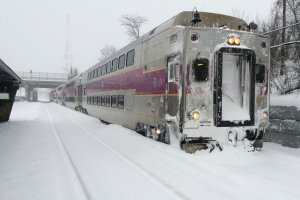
235 87
80 94
172 85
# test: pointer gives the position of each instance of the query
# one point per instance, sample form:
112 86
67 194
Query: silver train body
203 82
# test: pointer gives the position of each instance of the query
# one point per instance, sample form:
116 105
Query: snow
48 151
286 100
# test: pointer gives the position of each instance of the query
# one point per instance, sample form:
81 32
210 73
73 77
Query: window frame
107 68
113 101
131 58
98 101
120 105
114 64
122 57
107 104
103 100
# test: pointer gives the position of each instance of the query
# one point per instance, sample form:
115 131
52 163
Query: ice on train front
227 98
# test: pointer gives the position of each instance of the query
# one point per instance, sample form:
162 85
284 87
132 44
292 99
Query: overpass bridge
32 80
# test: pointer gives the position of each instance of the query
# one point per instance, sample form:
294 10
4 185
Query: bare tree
107 51
285 59
132 24
240 14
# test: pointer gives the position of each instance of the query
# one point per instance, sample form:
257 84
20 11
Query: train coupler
193 144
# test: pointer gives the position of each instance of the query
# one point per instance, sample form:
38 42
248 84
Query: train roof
208 19
183 19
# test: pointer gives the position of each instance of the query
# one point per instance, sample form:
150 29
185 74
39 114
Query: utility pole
283 37
68 47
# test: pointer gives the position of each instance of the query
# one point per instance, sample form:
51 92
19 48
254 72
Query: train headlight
194 115
230 40
158 131
237 41
233 39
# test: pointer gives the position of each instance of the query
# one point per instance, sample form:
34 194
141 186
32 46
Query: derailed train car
202 77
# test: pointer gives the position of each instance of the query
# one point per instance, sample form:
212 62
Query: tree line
283 27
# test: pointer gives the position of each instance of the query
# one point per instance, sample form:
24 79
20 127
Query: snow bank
285 100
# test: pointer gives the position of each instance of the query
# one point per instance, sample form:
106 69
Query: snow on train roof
208 20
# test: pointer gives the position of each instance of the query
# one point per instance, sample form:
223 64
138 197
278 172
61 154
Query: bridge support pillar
28 92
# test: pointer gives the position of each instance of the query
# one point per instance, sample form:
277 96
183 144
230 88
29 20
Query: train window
103 101
130 58
171 72
94 74
121 101
173 68
122 61
113 101
200 69
107 68
107 100
98 72
114 65
88 100
260 71
98 101
103 70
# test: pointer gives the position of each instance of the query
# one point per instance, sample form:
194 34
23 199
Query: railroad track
82 186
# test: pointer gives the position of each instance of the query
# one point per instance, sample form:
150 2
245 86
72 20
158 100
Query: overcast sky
33 32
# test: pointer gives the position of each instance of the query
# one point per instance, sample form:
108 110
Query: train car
53 95
60 92
202 77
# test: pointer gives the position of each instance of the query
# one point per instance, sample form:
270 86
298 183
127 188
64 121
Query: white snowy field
51 152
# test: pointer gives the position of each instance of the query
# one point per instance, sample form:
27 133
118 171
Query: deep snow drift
51 152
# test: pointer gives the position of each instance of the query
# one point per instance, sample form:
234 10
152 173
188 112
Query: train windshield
236 86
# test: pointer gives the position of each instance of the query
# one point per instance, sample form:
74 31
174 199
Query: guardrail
43 76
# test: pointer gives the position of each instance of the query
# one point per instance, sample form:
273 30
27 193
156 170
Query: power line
286 43
281 28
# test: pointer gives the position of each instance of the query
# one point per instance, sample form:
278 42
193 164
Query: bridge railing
43 76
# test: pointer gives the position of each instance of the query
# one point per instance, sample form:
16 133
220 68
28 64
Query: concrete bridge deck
33 80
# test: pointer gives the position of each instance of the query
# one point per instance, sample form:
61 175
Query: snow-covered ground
51 152
286 100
